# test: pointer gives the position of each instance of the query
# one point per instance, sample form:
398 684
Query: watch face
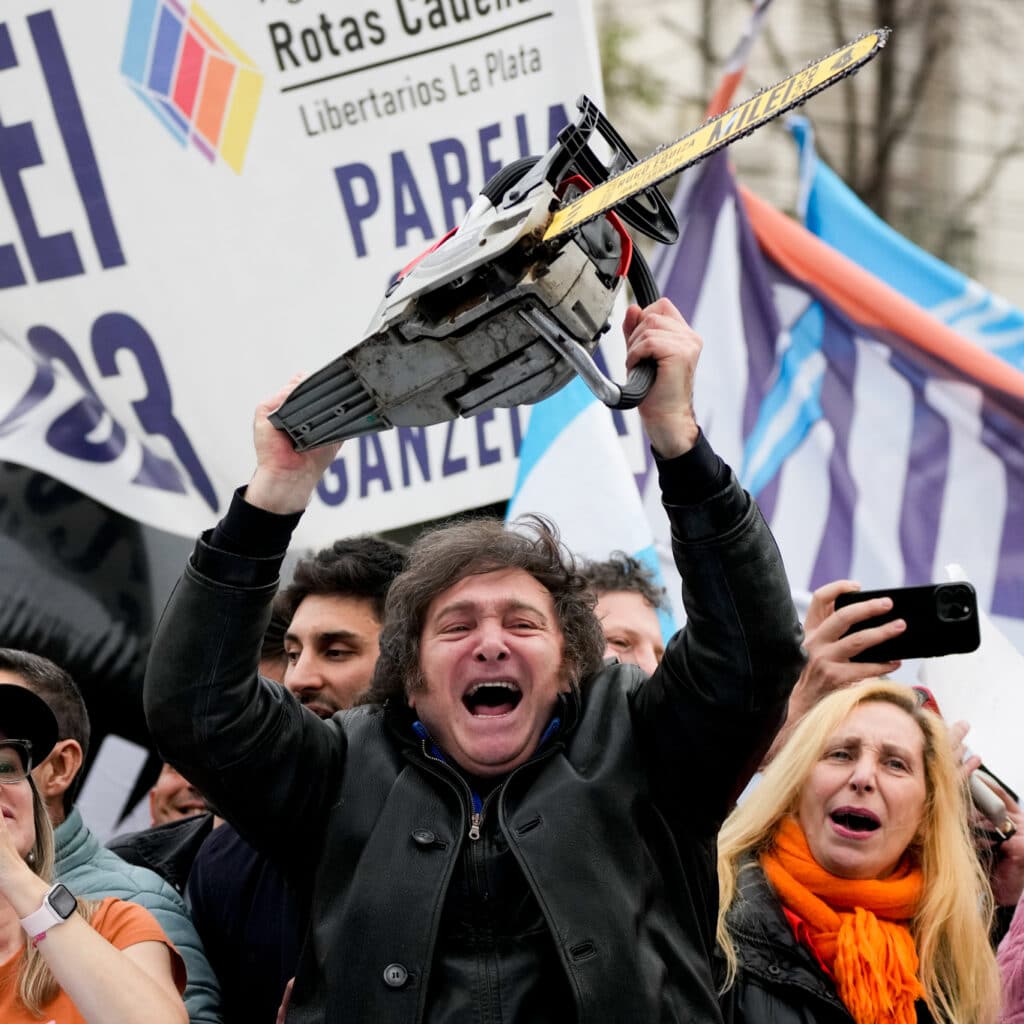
62 901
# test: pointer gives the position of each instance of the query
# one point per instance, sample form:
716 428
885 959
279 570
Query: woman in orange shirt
61 961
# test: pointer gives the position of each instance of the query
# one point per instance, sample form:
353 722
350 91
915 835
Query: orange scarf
858 928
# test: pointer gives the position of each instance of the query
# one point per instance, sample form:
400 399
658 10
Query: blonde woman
61 960
850 889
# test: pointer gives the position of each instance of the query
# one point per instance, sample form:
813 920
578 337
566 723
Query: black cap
24 716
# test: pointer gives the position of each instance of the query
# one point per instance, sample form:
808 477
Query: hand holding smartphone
984 786
941 618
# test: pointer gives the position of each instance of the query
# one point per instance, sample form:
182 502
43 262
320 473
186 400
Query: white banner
197 202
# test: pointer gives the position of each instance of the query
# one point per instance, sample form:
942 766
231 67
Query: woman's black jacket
779 980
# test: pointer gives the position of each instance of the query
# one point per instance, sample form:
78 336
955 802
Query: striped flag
831 210
880 443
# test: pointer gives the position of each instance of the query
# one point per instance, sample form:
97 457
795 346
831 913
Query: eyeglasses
15 761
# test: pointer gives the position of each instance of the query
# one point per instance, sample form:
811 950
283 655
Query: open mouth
855 819
492 698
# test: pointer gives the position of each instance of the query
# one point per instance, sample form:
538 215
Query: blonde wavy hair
951 927
36 983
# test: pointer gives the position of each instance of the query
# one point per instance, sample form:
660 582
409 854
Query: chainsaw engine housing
448 339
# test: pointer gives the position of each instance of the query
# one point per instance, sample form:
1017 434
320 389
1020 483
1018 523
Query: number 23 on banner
72 430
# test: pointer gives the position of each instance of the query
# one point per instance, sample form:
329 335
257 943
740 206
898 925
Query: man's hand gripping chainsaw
506 308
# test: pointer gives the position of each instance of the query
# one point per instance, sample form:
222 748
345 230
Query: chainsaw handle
616 396
639 381
641 378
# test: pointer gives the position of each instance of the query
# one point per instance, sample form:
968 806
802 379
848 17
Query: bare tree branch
959 215
901 107
892 117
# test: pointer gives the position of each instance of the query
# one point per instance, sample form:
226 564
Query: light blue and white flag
831 210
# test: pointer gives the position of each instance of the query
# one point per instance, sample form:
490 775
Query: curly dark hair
622 572
442 557
361 567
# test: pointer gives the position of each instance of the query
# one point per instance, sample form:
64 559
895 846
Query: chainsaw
509 306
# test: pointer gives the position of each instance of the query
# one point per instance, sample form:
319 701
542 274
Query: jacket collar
764 938
74 844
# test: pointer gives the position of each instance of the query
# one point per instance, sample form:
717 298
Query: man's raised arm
721 690
245 743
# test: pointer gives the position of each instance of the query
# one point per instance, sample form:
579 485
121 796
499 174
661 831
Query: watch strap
37 923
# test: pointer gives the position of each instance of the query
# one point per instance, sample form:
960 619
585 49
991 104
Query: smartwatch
58 905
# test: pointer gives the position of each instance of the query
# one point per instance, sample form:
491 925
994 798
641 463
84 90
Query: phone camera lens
953 603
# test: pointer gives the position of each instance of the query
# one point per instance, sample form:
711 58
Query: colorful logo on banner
193 77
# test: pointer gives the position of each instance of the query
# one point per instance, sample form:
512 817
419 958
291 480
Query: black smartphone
941 618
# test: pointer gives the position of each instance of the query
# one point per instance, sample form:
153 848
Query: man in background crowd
628 601
173 797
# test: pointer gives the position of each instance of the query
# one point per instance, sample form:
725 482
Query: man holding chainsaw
507 829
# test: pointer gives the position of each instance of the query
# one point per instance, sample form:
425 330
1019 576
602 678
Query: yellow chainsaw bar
711 136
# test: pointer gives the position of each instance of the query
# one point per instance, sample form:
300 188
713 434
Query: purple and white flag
880 444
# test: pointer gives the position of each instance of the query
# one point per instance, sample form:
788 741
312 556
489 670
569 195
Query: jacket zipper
476 819
476 816
479 810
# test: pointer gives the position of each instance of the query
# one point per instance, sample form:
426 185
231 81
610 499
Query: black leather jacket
779 980
605 839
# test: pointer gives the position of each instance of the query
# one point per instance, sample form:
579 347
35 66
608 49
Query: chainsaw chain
757 122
